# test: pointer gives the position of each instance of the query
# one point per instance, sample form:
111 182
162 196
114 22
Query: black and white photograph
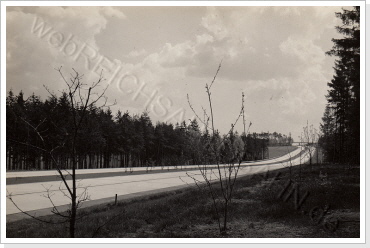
183 122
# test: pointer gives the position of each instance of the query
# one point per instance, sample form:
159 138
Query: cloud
40 39
265 51
177 55
214 23
136 53
112 12
274 54
254 43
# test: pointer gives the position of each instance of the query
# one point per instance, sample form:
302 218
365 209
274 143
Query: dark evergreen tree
344 94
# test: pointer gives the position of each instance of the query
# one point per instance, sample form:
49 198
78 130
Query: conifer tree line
107 140
276 139
341 121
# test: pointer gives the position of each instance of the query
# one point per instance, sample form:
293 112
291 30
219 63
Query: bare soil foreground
320 202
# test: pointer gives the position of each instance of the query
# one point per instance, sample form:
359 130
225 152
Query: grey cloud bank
274 54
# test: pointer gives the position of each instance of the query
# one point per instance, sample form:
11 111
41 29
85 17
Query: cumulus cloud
136 53
274 54
40 39
268 52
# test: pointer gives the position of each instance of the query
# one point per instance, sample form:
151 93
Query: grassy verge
324 203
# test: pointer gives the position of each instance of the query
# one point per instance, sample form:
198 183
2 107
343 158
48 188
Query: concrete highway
30 189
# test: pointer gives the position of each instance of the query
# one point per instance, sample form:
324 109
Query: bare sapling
81 97
310 138
222 158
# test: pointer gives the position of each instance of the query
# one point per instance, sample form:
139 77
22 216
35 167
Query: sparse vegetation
230 150
75 129
255 211
81 97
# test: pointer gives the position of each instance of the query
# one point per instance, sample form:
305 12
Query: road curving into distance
30 190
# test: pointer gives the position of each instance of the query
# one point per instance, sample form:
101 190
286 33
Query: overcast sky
152 57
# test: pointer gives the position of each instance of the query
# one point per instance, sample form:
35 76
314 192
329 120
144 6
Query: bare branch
191 107
55 209
27 144
9 196
225 174
214 78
